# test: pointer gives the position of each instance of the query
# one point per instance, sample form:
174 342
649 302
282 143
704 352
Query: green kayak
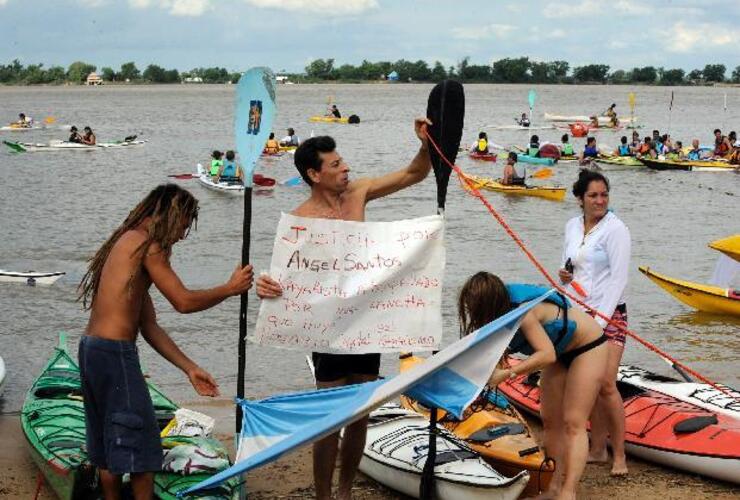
53 421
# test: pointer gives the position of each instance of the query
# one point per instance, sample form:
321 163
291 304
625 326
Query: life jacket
272 147
216 166
721 148
568 149
229 169
560 331
624 150
482 146
644 148
694 154
590 152
533 150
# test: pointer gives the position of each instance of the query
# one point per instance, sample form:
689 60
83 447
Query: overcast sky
287 34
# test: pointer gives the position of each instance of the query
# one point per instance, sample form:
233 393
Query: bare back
117 309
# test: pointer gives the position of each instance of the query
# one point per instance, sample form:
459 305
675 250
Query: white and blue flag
449 380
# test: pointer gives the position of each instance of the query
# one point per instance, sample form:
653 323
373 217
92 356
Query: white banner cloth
355 287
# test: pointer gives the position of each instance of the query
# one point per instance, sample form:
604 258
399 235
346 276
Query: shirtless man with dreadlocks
122 432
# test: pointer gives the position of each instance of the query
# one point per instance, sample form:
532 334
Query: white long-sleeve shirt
600 260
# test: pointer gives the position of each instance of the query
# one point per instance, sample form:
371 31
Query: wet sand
291 477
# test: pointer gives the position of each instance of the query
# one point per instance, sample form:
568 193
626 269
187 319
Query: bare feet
595 457
619 467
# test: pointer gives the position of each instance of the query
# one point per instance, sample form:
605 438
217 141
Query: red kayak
660 428
483 156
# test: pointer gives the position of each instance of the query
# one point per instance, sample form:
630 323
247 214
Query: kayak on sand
53 422
495 429
659 427
396 450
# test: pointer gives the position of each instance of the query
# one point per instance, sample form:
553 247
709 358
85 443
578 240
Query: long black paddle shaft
242 350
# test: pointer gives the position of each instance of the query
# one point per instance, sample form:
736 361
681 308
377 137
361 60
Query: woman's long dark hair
170 208
482 299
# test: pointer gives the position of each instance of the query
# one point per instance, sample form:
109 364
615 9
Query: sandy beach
291 477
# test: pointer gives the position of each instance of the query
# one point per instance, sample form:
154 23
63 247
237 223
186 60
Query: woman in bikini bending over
567 345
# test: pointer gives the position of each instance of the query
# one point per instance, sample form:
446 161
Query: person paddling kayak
122 434
514 173
24 121
481 145
89 137
333 111
524 120
74 135
217 163
291 139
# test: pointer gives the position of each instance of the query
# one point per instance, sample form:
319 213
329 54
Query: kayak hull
534 160
622 161
689 166
30 277
554 193
394 456
729 246
328 119
30 147
509 453
2 375
492 157
707 298
603 120
53 423
711 448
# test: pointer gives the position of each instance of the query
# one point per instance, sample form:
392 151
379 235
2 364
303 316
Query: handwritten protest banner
355 287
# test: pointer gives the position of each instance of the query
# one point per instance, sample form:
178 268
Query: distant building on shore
192 79
283 79
93 79
392 76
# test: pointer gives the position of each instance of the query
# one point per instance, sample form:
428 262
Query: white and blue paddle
254 114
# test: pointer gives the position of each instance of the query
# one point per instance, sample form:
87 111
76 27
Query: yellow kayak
625 161
689 165
706 298
288 148
729 246
556 193
496 431
329 119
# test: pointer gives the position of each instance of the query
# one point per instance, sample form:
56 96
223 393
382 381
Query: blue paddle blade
532 96
255 111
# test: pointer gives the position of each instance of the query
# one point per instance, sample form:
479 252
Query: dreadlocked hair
170 207
482 299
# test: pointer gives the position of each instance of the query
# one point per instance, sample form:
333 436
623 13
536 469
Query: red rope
469 185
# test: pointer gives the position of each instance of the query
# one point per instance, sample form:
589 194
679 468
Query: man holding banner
341 357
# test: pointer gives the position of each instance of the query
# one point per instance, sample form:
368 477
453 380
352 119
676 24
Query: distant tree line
507 70
514 70
16 73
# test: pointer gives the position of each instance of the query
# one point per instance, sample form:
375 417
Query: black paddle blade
446 111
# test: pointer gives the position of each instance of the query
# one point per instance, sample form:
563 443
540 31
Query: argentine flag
450 380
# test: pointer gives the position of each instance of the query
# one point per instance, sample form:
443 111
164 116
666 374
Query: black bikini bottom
568 357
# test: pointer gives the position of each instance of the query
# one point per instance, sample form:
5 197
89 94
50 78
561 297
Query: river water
58 208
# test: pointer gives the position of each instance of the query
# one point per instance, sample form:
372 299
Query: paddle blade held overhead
255 111
446 111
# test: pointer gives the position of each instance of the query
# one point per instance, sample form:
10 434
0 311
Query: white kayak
261 183
30 277
696 393
56 145
519 127
223 187
2 374
396 451
603 120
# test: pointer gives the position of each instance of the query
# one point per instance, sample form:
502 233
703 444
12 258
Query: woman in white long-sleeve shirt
596 257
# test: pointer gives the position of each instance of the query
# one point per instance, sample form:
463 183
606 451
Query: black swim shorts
331 367
122 431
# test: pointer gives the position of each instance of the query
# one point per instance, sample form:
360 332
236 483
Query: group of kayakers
273 146
662 145
224 168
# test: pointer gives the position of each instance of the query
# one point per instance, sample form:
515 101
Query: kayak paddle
255 110
543 173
